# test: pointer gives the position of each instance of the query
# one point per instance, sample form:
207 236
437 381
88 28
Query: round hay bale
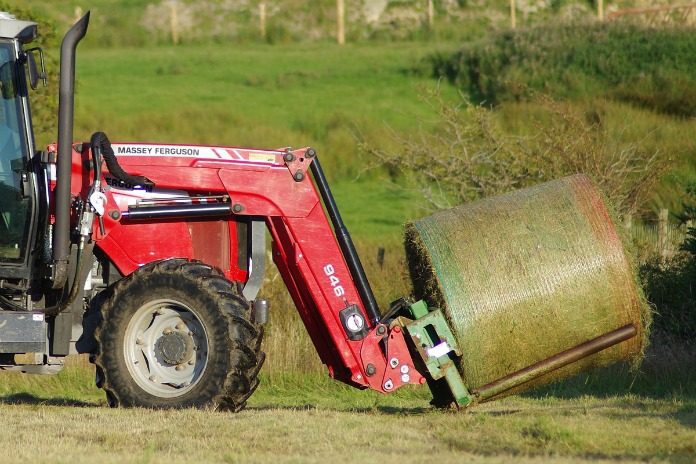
525 275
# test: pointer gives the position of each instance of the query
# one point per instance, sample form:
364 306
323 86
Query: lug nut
393 362
167 331
139 341
180 326
179 367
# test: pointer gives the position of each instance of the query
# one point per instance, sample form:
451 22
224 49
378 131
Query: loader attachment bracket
387 360
432 339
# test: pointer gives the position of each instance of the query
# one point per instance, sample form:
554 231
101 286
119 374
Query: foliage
44 100
579 141
671 285
463 159
689 216
468 157
649 67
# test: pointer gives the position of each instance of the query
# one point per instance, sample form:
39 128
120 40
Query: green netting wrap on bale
523 276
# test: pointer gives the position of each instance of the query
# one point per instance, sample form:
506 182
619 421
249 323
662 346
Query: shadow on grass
381 409
668 372
687 415
29 399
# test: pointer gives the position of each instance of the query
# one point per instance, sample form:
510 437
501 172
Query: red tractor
150 257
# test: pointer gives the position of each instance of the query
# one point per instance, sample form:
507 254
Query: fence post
662 234
174 21
380 257
262 19
600 10
431 14
340 22
513 13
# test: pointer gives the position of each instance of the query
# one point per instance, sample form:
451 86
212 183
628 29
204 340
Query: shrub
467 156
649 67
671 286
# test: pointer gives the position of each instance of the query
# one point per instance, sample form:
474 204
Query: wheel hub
174 348
166 348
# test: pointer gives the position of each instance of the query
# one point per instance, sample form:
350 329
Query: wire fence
682 15
657 238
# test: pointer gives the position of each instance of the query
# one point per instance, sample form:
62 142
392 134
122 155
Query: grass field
312 419
255 95
604 416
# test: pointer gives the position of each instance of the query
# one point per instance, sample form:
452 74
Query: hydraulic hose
100 143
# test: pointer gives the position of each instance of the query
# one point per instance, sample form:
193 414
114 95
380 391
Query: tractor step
23 332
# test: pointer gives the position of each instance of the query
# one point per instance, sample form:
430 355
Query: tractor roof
11 28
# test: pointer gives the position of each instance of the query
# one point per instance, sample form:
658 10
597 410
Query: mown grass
311 419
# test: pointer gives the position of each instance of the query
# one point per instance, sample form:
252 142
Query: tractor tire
177 334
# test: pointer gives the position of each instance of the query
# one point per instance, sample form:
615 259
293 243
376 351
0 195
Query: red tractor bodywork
254 184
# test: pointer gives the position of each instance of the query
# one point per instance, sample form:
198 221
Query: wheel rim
166 348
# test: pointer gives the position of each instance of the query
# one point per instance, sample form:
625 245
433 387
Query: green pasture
265 96
255 95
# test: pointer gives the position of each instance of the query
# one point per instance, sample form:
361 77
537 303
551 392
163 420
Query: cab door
17 187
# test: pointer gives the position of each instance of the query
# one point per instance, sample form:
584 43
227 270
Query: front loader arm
356 348
276 187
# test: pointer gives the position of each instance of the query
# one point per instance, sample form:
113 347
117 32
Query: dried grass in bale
525 275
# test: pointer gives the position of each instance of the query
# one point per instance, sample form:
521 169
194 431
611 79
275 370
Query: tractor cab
18 208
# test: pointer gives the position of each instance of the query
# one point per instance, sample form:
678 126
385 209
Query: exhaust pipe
66 107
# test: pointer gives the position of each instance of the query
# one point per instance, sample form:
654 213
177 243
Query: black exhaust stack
66 107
